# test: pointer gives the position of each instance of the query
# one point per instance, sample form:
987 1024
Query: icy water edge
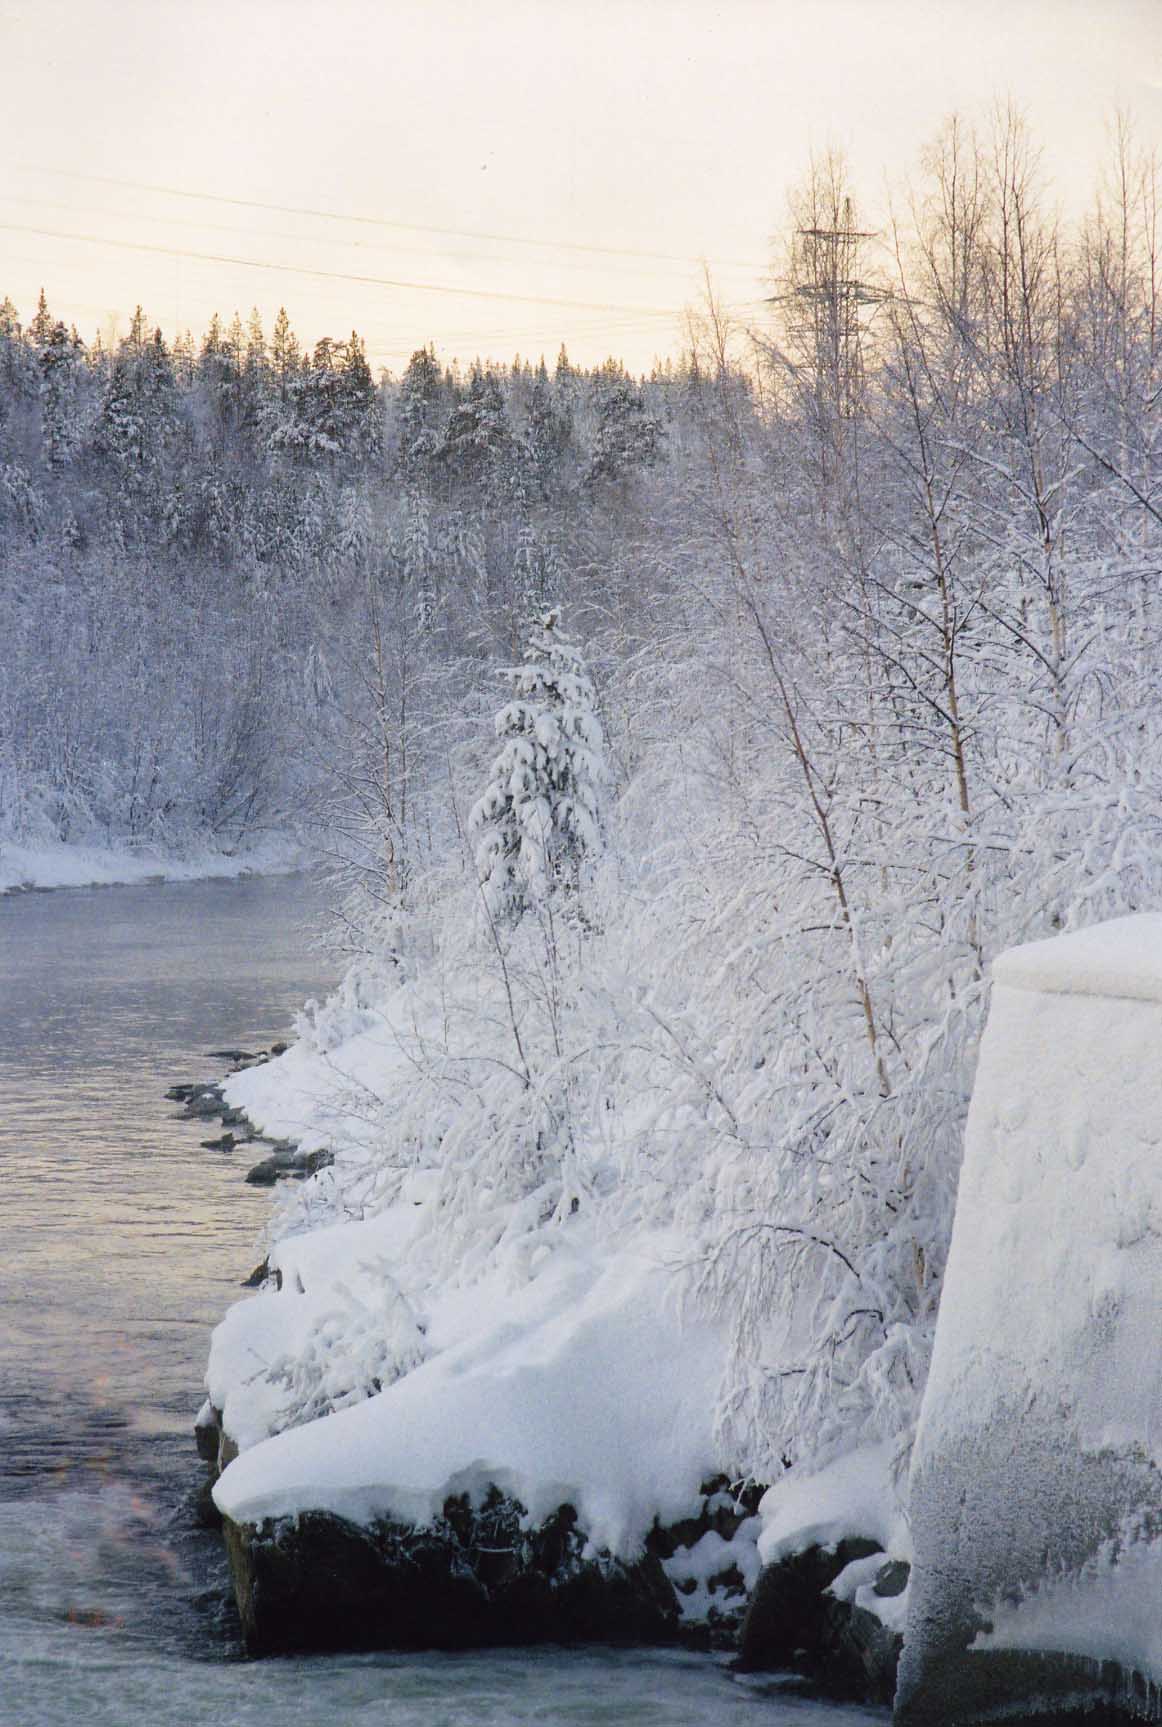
122 1241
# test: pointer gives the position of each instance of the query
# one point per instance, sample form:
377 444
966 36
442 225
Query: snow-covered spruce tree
538 822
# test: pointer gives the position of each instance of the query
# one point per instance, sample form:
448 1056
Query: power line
387 222
204 225
197 224
343 275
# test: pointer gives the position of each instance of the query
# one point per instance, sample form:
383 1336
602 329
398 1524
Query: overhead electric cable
204 225
388 222
343 275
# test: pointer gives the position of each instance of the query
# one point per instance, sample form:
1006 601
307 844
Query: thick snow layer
356 1050
854 1496
1121 958
1041 1429
59 865
317 1098
266 1350
582 1386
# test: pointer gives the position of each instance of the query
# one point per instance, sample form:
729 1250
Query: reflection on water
122 1241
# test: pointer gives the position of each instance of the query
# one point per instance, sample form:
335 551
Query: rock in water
795 1625
266 1173
288 1160
1036 1492
476 1577
203 1103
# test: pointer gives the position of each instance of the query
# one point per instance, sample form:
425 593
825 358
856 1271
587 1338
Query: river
122 1241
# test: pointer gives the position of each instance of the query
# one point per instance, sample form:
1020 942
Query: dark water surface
122 1242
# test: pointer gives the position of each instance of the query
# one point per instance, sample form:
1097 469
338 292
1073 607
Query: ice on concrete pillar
1036 1490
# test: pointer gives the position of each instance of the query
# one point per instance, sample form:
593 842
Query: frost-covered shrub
350 1353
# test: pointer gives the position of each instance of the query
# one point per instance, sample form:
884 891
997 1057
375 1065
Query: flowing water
122 1241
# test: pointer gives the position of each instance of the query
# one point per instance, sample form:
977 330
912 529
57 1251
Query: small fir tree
539 820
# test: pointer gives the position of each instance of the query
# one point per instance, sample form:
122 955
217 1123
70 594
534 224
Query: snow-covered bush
352 1351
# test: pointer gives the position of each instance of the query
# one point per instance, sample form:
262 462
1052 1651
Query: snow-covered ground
50 864
566 1373
565 1364
582 1387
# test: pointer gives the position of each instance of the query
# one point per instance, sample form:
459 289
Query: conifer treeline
216 451
198 539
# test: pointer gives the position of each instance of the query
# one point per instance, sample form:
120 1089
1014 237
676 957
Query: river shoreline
322 1583
125 1241
49 867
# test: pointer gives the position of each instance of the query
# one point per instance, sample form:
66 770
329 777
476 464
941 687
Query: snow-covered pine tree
539 820
420 409
629 436
61 375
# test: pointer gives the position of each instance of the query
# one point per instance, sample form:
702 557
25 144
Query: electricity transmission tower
824 298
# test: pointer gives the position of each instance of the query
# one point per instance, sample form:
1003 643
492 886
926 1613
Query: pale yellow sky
497 175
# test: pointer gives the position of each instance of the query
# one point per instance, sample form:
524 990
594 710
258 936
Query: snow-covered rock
854 1497
830 1599
583 1387
1036 1493
458 1463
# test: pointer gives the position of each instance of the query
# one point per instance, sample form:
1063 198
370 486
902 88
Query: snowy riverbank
556 1389
55 864
529 1424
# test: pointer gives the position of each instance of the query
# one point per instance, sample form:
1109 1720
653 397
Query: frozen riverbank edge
45 866
532 1456
543 1472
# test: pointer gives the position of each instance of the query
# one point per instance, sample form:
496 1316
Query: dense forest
831 658
210 539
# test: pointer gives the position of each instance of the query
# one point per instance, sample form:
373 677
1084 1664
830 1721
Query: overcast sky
509 173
